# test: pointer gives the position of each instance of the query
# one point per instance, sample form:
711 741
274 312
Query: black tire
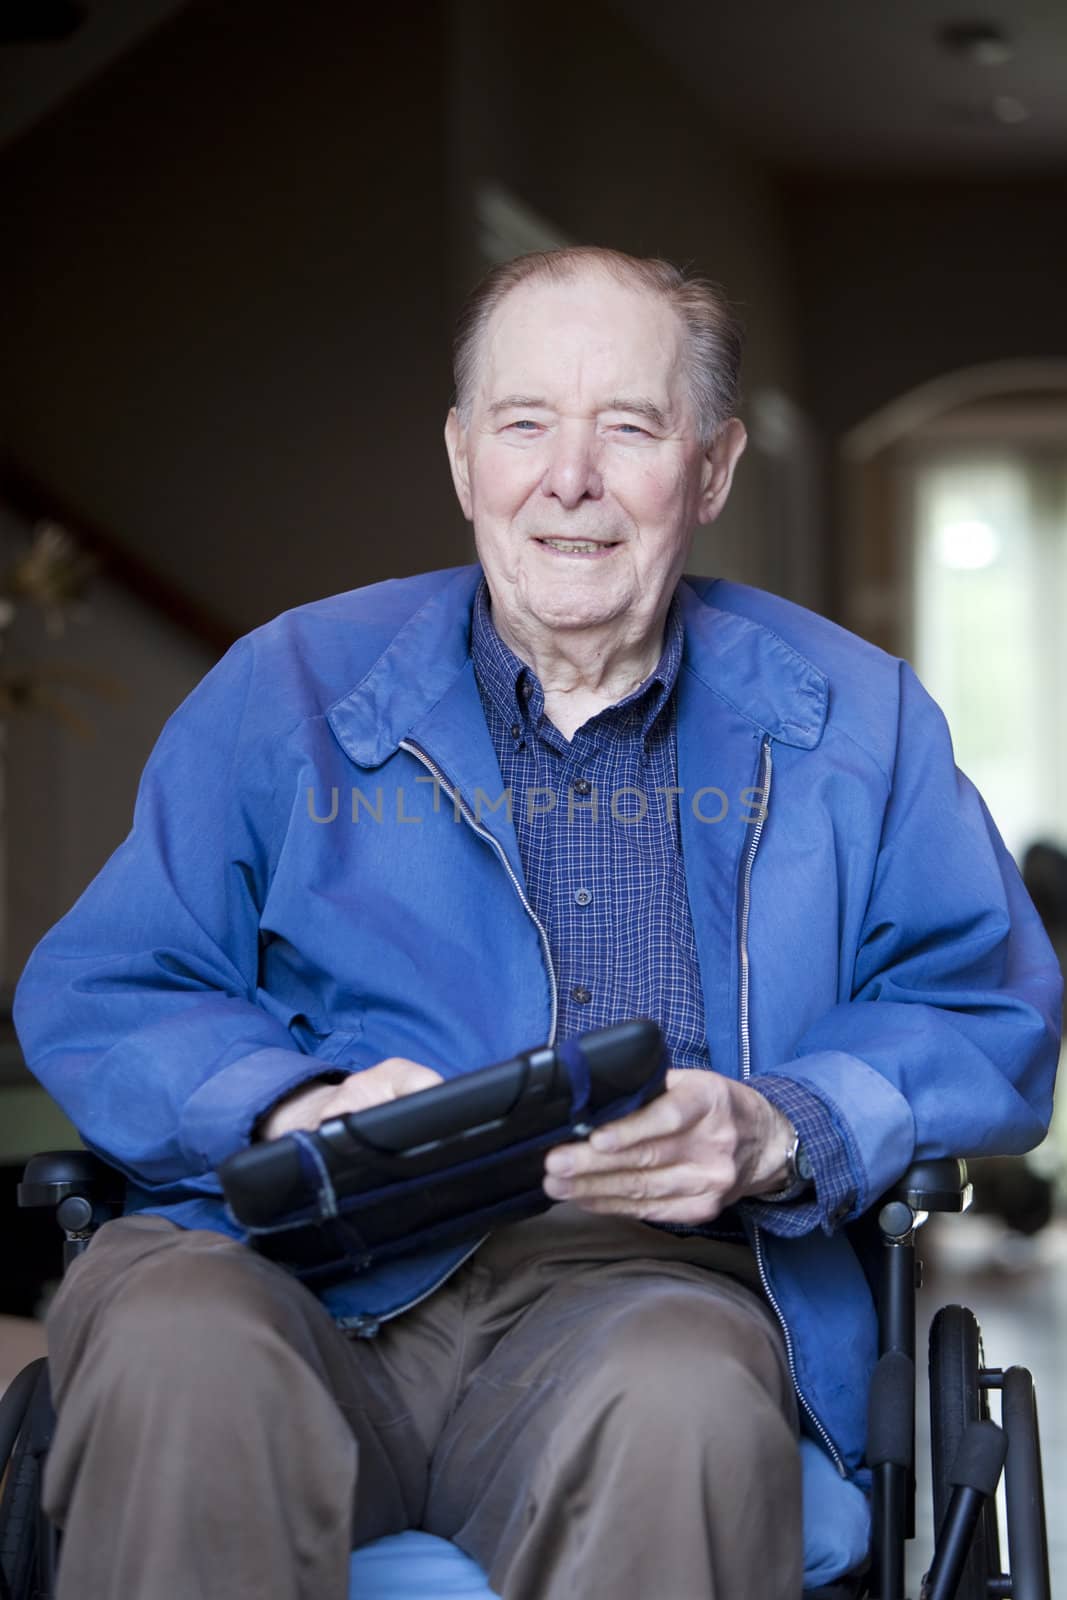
27 1541
18 1552
957 1399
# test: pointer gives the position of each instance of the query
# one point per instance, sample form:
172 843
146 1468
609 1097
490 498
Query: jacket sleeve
948 1042
138 1011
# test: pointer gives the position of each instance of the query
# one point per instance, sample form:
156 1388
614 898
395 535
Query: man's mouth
579 547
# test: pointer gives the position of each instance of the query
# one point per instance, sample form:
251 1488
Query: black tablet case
440 1165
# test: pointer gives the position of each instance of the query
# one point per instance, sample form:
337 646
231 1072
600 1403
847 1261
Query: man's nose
573 471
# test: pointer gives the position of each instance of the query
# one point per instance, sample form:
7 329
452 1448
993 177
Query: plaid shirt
600 845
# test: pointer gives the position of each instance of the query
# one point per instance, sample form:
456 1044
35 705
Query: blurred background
236 233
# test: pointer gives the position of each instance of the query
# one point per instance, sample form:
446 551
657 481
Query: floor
1017 1288
21 1341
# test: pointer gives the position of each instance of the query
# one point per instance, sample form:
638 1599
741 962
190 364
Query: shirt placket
581 909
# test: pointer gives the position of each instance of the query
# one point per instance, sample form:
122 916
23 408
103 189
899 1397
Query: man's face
582 468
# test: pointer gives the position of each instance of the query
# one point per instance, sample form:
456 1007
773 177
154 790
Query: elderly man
409 830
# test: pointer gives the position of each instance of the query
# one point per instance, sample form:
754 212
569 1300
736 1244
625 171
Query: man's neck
581 671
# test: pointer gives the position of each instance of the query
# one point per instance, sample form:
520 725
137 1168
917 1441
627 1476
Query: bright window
989 576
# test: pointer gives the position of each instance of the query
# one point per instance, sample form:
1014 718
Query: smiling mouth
579 547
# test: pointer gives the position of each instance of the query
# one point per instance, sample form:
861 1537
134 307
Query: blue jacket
299 891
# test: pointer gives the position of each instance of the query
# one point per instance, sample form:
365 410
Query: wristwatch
799 1174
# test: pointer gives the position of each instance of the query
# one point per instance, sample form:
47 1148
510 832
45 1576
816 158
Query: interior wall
71 763
902 282
225 336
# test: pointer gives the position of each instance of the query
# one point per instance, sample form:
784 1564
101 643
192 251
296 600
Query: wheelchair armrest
940 1185
82 1191
58 1175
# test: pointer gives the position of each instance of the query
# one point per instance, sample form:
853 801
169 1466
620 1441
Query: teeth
573 546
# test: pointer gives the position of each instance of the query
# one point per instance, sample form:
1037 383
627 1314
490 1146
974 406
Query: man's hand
312 1104
684 1157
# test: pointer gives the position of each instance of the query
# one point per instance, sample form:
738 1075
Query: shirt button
581 995
515 730
582 897
583 786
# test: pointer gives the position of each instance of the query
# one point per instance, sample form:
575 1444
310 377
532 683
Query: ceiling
809 85
864 85
36 77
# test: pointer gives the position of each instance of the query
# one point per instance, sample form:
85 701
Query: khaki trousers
592 1408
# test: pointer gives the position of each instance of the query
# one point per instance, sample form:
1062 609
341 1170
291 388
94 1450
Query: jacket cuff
837 1184
218 1118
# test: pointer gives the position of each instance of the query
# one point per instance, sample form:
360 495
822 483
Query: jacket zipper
367 1326
766 769
483 833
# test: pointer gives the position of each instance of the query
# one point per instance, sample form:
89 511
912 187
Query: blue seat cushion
837 1518
415 1566
420 1566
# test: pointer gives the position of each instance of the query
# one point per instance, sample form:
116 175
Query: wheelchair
971 1455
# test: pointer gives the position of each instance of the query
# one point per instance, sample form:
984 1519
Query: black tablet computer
439 1164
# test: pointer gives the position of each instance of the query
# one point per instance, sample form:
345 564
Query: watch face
804 1167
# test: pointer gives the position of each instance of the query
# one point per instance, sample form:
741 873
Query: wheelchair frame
968 1449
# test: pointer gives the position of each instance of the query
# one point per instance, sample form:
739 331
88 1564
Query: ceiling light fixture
1007 109
981 44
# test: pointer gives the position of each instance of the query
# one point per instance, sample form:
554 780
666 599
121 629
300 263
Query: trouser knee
189 1348
174 1319
199 1428
664 1385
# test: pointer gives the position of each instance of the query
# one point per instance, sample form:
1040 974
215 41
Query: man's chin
571 611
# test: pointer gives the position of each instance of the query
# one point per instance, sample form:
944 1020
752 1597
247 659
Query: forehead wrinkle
637 405
519 402
640 406
520 325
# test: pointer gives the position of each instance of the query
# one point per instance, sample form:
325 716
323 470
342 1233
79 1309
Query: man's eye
631 428
523 422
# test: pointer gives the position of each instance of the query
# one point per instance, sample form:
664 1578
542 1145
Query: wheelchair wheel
27 1539
956 1399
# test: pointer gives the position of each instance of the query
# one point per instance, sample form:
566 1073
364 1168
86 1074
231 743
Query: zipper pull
364 1327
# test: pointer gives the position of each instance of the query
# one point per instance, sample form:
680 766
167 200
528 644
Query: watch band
799 1173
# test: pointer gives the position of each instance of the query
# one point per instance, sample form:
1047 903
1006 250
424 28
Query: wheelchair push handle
56 1175
82 1190
935 1185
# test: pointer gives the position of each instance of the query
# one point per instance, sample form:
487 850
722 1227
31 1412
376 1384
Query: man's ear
720 459
456 445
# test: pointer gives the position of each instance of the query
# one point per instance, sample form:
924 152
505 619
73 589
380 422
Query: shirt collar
514 689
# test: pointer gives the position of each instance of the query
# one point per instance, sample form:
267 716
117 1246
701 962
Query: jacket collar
416 670
756 673
752 670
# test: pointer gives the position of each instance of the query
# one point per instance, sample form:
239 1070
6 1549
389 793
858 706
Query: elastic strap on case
574 1059
343 1229
314 1172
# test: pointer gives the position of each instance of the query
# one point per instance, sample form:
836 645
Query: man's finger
683 1181
654 1184
411 1076
691 1211
576 1159
668 1113
391 1079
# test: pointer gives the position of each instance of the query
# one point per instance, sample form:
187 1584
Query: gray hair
713 328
